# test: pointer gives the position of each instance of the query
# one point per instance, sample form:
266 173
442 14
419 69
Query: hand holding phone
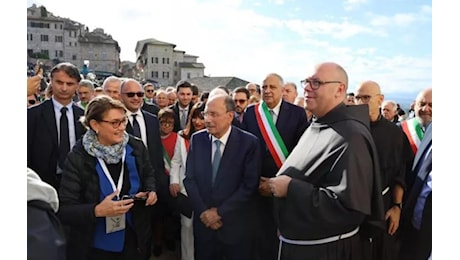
39 68
127 197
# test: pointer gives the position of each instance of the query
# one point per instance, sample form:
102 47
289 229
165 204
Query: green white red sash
413 131
272 137
167 160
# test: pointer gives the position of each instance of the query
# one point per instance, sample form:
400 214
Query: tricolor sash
166 158
272 137
414 133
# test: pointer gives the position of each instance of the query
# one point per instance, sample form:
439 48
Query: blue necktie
216 160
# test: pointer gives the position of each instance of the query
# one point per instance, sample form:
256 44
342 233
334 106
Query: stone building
54 39
160 62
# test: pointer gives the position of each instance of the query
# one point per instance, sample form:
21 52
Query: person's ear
94 125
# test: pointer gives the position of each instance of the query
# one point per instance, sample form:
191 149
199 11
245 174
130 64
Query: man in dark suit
149 99
270 118
146 126
222 174
416 224
183 105
53 126
151 108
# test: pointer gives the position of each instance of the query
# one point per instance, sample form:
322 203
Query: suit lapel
426 140
231 148
49 120
79 129
282 118
148 130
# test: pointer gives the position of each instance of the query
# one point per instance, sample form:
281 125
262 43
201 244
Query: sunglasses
240 100
149 90
132 94
31 101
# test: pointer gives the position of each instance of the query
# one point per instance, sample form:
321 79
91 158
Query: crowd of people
258 172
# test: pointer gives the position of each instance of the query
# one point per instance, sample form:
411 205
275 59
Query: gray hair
86 83
111 79
393 104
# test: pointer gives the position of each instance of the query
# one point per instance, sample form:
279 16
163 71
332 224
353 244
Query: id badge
115 223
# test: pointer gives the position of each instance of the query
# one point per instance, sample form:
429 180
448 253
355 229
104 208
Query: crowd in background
255 172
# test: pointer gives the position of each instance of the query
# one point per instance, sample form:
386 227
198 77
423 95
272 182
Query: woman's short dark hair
165 113
98 106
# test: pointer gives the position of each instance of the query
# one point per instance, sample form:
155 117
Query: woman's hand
33 84
174 189
109 207
151 197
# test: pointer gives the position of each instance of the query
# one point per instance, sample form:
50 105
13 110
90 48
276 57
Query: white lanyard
109 177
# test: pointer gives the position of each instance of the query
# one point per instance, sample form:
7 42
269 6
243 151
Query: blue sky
386 41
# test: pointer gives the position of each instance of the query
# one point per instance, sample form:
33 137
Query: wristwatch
399 205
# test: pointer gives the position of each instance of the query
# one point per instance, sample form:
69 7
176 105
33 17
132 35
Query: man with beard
328 190
241 98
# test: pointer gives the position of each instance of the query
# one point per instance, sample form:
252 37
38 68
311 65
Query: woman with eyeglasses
175 156
107 187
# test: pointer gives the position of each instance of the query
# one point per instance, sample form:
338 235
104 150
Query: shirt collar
59 106
276 109
224 138
138 113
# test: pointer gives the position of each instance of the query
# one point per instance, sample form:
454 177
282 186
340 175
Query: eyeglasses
31 101
166 123
131 94
364 98
210 114
149 90
315 84
117 123
240 100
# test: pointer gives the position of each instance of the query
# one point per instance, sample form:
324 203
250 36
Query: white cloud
232 41
401 19
342 30
352 4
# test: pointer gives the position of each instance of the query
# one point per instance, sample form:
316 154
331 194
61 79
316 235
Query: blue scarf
115 241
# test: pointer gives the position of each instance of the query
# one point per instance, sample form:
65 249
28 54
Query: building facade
53 39
161 63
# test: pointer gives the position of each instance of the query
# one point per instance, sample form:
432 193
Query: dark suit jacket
151 108
42 139
234 187
154 147
291 124
416 244
175 108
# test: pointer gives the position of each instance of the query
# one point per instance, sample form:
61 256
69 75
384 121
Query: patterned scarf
110 154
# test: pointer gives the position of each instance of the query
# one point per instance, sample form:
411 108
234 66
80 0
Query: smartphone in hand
39 68
127 197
